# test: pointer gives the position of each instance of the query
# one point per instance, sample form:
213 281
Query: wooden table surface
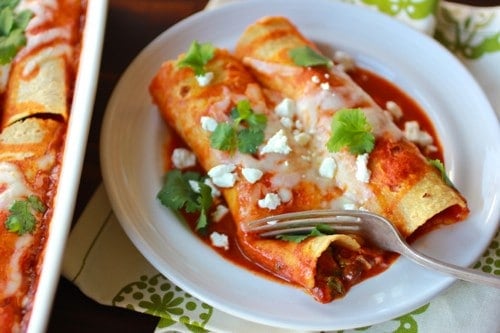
131 25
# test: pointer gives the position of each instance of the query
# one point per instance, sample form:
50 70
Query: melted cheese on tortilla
43 13
4 77
15 278
13 185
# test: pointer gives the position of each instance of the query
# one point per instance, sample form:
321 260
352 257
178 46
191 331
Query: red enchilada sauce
338 269
53 34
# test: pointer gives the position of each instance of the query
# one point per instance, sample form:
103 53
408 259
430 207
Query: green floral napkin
98 246
417 13
473 35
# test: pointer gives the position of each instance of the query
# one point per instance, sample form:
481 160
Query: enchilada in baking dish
39 54
278 127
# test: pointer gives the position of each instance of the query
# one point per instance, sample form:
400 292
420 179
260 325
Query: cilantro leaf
351 129
440 166
176 193
224 137
244 112
319 230
294 238
22 19
6 21
22 218
244 132
8 3
306 56
249 139
205 201
197 57
12 27
202 222
179 195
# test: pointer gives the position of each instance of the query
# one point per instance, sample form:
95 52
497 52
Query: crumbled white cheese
285 194
183 158
362 172
278 143
325 86
208 123
344 61
222 175
252 175
195 186
286 108
205 79
219 212
328 167
413 133
302 138
394 109
299 125
431 149
286 122
219 240
315 79
271 201
215 191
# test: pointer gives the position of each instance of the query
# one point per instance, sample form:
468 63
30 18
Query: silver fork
375 228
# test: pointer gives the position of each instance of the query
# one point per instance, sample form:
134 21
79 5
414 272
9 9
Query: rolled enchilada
39 79
287 171
402 185
36 87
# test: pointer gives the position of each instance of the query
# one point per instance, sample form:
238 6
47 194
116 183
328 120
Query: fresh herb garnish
440 166
22 215
351 129
178 194
334 283
244 131
318 230
197 57
12 27
306 56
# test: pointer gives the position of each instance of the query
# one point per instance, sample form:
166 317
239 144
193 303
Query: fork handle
462 273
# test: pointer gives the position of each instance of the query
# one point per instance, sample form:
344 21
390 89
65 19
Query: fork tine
371 226
341 221
345 228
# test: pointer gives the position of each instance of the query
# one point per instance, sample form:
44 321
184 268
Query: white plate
131 155
74 152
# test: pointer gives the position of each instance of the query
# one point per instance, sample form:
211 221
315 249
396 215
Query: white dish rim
72 163
139 235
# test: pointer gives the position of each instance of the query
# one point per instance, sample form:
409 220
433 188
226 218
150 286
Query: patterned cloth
98 246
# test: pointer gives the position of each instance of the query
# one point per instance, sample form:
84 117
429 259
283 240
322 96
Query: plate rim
110 186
